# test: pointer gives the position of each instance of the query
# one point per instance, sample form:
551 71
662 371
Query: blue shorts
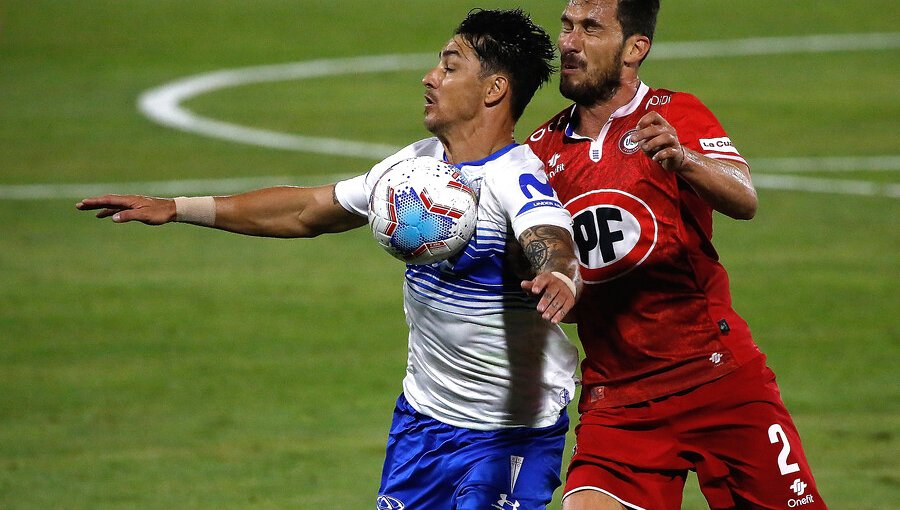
430 465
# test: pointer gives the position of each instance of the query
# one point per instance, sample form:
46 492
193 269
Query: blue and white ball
422 210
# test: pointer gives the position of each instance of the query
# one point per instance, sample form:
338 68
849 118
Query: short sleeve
525 195
353 194
699 130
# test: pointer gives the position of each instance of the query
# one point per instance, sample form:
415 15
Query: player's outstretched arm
283 211
725 186
551 252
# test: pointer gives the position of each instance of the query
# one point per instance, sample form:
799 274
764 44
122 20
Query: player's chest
622 204
614 160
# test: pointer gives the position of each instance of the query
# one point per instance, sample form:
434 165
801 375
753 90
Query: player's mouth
429 101
570 64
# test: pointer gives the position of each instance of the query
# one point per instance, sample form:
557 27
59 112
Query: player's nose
568 42
430 79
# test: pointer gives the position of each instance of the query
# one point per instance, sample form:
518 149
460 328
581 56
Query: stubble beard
596 89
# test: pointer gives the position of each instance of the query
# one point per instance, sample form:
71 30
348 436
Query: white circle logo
627 144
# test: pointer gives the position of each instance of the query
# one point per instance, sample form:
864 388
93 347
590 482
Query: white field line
835 186
158 188
163 104
825 43
768 173
830 164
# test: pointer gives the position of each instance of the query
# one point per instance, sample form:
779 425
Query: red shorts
735 432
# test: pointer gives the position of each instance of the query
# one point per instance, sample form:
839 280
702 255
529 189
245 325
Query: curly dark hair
509 42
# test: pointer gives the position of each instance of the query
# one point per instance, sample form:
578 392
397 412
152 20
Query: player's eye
593 28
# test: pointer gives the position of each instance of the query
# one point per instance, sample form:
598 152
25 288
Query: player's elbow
748 214
744 209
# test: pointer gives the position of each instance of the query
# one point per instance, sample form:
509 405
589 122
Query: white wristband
568 281
196 210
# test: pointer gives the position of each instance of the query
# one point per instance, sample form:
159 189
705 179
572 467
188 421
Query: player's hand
658 139
125 208
557 298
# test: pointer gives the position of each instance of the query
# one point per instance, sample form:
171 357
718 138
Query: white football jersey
480 355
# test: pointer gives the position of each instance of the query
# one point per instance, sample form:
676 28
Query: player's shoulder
505 174
674 101
518 160
555 125
679 108
426 147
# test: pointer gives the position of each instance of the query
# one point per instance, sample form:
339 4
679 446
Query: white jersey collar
622 111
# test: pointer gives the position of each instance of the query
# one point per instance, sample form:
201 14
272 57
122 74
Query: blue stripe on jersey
465 310
538 203
459 284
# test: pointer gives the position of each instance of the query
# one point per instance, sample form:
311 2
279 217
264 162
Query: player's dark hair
509 42
637 17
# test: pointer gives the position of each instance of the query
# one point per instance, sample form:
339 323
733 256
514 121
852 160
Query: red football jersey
656 316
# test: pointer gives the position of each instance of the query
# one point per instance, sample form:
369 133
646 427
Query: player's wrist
690 161
566 280
195 210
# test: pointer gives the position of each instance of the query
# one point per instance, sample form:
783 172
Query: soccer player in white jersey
481 422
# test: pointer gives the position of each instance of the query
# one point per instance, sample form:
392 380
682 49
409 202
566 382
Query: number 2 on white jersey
776 434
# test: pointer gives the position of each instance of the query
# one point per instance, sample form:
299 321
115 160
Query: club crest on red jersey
615 232
627 144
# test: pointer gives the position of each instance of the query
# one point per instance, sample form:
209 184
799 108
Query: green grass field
174 367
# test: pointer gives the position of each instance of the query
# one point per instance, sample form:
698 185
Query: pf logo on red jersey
614 232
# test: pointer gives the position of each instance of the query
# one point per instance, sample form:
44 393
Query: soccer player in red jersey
672 380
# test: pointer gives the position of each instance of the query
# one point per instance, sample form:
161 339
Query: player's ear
635 49
496 88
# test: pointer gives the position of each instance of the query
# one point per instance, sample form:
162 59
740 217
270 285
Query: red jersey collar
622 111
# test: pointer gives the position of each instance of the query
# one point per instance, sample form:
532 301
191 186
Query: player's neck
472 142
591 119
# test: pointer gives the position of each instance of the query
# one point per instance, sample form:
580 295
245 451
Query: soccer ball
422 210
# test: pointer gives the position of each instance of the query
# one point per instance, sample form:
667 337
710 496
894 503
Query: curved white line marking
225 186
163 104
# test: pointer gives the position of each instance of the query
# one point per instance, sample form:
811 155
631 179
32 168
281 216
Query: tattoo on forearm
549 248
537 253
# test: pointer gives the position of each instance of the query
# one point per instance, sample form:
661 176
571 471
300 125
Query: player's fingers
659 142
107 212
146 215
126 215
651 118
646 133
548 303
669 153
564 308
554 297
107 201
538 285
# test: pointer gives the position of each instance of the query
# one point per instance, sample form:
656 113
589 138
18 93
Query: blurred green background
180 368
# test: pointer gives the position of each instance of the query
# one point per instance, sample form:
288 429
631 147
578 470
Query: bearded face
590 82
